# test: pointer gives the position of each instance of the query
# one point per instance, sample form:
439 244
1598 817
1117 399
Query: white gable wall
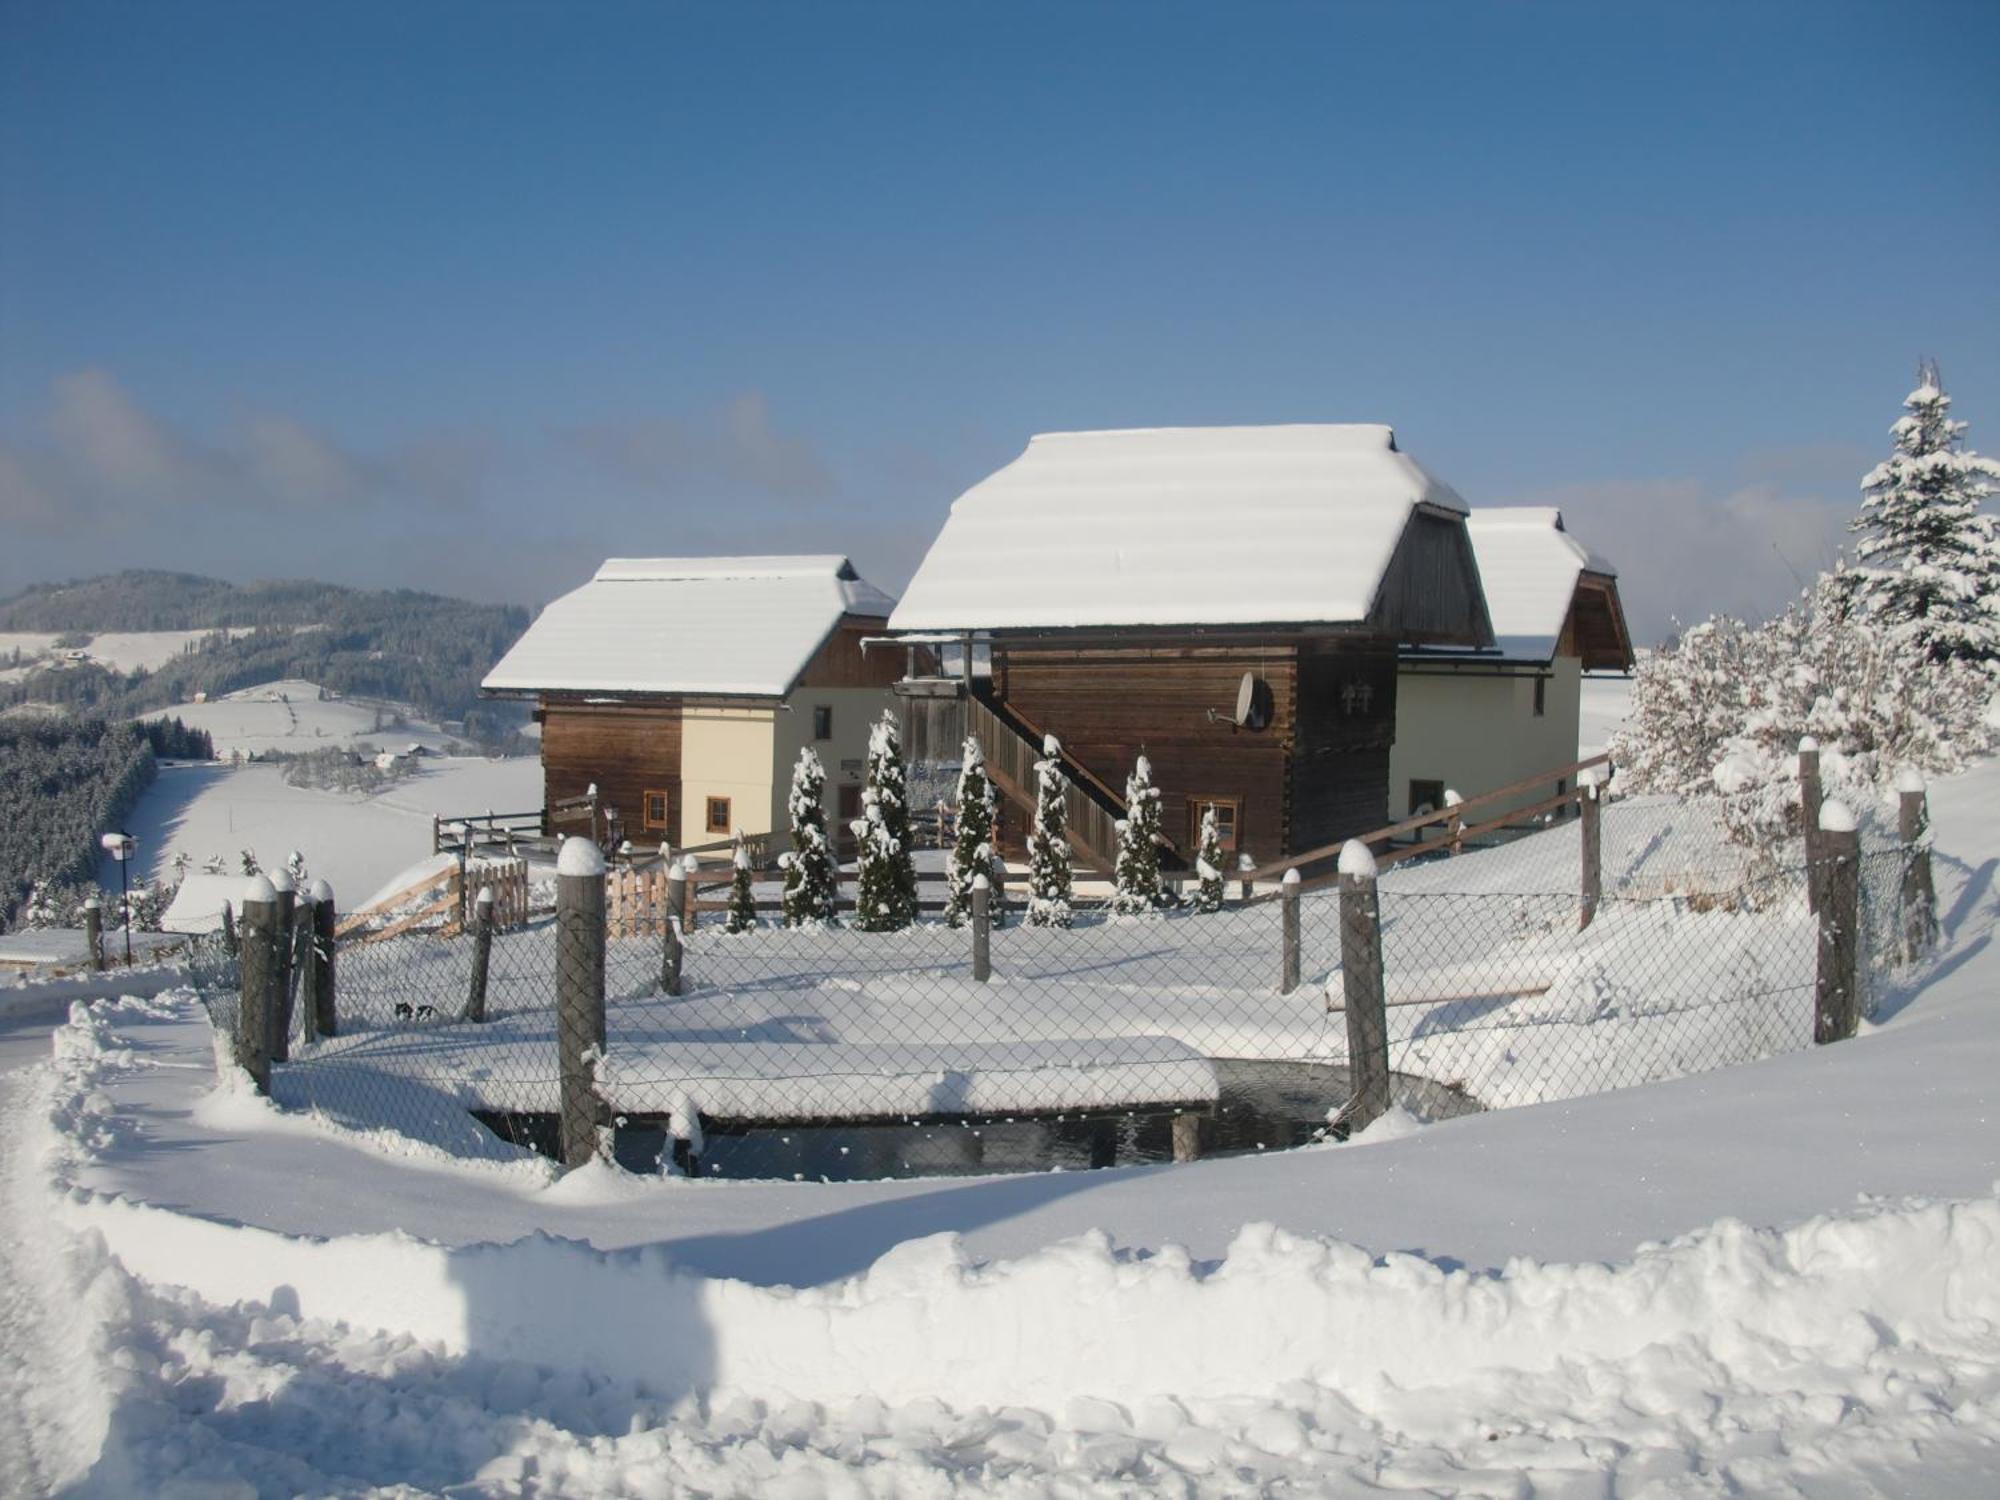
1477 731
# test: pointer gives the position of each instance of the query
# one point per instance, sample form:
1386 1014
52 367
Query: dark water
1264 1106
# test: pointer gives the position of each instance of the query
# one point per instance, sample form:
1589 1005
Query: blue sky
470 296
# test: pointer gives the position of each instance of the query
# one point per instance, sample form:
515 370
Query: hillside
178 634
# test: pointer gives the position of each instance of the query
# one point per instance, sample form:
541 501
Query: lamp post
120 845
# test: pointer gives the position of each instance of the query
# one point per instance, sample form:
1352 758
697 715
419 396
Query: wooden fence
444 900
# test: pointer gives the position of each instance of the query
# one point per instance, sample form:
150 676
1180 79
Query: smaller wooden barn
1473 721
682 689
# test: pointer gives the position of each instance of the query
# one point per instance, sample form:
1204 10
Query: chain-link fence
1170 1033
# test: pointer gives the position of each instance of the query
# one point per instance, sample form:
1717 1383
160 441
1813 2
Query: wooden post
229 942
1362 988
281 1023
1187 1136
1836 990
996 906
297 997
579 995
324 1017
1593 848
982 929
1288 903
1919 896
690 867
1454 823
257 1005
93 933
1811 796
482 954
673 952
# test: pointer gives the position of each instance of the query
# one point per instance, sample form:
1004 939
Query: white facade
1474 729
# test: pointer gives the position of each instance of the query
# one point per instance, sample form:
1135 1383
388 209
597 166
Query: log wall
625 750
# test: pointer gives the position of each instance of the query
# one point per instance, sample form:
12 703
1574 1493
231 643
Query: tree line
63 783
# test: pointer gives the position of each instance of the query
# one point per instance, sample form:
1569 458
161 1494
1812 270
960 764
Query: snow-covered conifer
742 899
888 782
1208 862
249 861
296 867
1928 563
1137 869
882 903
811 876
972 850
1048 846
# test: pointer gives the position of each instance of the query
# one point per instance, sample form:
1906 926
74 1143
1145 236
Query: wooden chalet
682 689
1230 602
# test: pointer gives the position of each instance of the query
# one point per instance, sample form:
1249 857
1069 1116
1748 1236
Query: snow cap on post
1355 860
1909 779
1808 745
579 856
485 897
1451 798
677 871
259 888
322 892
1836 817
981 883
91 903
281 880
1051 746
1291 877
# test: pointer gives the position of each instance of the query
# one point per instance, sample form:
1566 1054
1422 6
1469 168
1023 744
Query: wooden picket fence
444 901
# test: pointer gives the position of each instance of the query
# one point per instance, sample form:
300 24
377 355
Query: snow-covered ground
290 716
356 842
1782 1278
120 650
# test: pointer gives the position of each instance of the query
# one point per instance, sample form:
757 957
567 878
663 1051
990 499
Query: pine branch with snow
812 878
882 903
1049 855
972 849
1208 863
742 897
888 791
1137 867
1927 564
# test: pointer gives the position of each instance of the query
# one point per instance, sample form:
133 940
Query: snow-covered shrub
811 878
888 792
1048 845
1927 565
882 902
742 898
972 849
1208 862
248 859
1137 868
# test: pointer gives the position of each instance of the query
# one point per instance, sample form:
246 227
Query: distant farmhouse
683 688
1476 721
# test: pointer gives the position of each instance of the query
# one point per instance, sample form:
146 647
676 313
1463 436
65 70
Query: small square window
822 721
718 815
1426 797
1228 817
655 810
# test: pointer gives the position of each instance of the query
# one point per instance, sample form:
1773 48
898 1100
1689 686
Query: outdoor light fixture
119 846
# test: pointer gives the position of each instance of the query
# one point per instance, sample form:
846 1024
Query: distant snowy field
122 651
290 717
357 842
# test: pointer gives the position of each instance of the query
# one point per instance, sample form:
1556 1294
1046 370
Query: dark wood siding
1346 715
841 663
1430 592
1110 704
625 750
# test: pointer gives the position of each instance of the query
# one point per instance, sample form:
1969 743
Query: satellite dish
1253 702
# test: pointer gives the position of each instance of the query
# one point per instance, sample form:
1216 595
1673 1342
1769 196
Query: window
822 721
1541 696
718 815
1228 820
655 810
850 804
1426 797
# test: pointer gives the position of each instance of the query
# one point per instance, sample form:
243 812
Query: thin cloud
733 452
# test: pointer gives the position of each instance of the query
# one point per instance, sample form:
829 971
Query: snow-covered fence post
580 938
1836 993
1288 905
257 1004
1454 824
1919 925
93 933
1187 1136
229 942
1362 988
288 900
1811 795
482 954
982 929
297 992
1593 846
323 1017
670 930
690 869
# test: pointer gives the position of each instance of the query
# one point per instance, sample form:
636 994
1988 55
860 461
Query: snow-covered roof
721 626
1175 526
1529 566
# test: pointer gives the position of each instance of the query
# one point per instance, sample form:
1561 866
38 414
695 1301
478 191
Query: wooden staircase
1012 746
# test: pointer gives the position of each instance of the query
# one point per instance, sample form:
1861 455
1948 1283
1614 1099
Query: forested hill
420 649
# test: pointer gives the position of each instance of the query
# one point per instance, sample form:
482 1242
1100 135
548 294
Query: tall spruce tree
1137 869
972 849
1048 846
812 880
1208 864
889 782
1927 564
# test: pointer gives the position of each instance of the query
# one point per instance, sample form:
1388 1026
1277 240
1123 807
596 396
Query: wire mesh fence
1180 1030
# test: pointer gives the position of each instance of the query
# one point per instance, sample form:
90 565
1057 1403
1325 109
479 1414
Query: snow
688 625
579 856
1136 515
1836 817
1528 567
1355 861
259 888
1680 1289
1909 779
197 905
120 650
291 717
